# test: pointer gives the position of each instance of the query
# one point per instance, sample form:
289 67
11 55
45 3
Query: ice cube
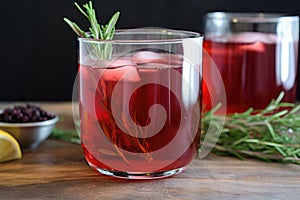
125 73
256 47
142 57
157 66
120 62
252 37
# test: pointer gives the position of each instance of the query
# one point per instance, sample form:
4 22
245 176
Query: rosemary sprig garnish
272 134
97 31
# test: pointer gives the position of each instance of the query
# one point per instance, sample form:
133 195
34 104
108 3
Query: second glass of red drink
256 55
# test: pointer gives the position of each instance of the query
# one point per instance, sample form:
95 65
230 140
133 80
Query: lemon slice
9 147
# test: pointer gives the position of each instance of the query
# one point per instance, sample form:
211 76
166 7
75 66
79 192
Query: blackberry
26 113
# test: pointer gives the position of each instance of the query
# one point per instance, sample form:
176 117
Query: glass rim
182 35
257 17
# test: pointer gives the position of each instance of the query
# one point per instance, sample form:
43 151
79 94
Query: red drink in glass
255 68
121 139
139 102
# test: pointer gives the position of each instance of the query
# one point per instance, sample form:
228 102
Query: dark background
38 50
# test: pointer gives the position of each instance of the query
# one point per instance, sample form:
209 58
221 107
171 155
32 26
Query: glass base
140 175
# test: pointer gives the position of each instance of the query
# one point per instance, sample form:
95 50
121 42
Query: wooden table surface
57 170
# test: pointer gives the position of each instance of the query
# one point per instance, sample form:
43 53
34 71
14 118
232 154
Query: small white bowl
30 135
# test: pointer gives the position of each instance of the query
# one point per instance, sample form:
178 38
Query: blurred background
38 50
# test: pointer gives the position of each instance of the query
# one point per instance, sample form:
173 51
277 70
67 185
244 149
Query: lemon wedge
9 147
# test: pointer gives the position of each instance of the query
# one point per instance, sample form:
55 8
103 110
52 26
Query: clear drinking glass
256 54
140 102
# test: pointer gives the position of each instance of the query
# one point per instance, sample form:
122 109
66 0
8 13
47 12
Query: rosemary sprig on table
97 31
69 135
271 134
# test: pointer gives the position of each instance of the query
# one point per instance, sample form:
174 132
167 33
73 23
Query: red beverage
136 116
254 68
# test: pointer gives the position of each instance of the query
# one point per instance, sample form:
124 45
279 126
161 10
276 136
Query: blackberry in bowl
29 124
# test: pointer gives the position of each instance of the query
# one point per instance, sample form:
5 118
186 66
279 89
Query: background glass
139 98
256 54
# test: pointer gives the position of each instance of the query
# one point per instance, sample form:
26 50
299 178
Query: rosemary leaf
76 28
65 135
110 27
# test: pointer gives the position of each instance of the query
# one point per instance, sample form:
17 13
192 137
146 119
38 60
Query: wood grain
57 170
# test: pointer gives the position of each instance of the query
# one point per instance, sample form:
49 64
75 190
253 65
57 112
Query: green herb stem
97 31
